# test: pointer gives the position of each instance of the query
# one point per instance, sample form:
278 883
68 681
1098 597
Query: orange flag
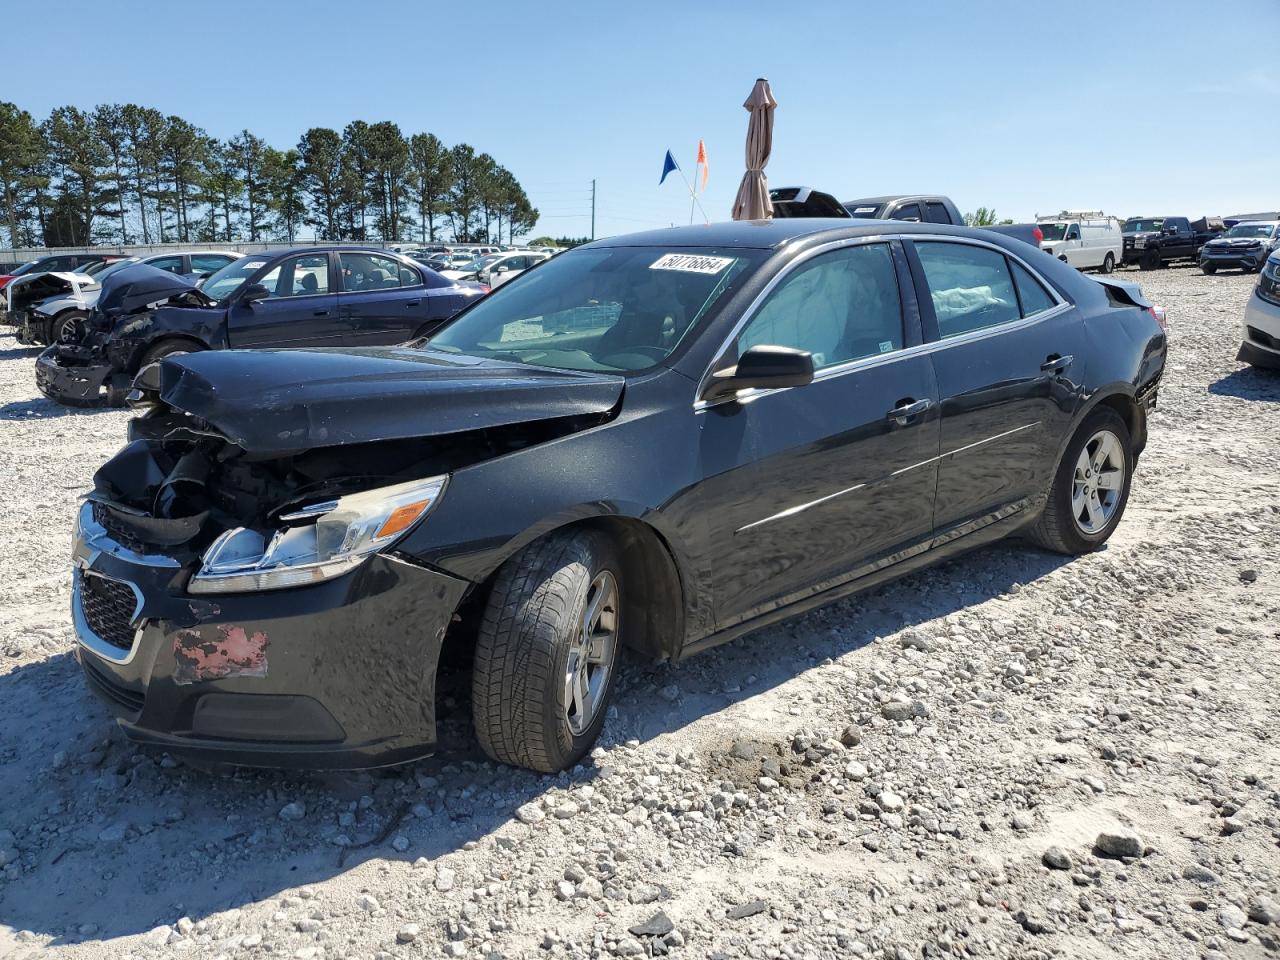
702 161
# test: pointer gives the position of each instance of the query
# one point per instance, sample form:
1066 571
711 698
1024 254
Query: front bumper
1261 344
339 675
1237 259
75 375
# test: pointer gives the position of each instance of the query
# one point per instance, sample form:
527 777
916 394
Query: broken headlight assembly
316 542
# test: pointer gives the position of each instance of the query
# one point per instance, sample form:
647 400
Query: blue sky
1133 106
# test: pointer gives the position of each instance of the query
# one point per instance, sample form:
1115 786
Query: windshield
25 268
620 309
1141 226
1053 231
1250 230
227 280
863 211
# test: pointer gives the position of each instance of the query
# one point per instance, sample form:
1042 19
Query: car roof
896 196
773 234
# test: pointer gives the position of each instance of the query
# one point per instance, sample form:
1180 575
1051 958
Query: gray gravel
1009 756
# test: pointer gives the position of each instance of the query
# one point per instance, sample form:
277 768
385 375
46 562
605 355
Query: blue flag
668 165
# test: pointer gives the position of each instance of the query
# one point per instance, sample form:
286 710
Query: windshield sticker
860 210
886 346
254 264
690 263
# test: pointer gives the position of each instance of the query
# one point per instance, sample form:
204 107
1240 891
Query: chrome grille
108 606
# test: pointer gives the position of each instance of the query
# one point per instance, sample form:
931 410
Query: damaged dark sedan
316 296
658 442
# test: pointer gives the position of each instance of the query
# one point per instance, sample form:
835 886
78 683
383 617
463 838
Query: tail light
1158 314
1038 234
485 289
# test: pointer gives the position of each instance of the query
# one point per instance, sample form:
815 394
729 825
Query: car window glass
970 286
204 262
409 277
610 308
1073 232
298 277
363 272
1031 292
168 264
839 306
937 212
909 211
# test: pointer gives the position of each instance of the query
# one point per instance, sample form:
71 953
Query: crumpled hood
279 401
138 286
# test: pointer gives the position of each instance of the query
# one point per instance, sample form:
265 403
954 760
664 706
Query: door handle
320 313
909 408
1055 363
412 303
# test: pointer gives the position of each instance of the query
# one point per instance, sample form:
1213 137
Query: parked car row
1260 346
314 296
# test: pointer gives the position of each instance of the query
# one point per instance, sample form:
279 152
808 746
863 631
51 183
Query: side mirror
253 293
502 268
765 367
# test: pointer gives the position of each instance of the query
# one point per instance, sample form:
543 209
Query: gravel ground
1012 755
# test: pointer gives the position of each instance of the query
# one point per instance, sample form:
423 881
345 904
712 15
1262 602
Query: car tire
167 348
1074 522
66 327
1109 262
1150 261
1208 269
547 650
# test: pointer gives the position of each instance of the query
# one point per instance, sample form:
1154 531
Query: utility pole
593 208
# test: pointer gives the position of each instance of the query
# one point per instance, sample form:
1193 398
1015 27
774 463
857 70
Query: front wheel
1108 262
546 652
1208 269
1091 487
66 327
167 348
1150 261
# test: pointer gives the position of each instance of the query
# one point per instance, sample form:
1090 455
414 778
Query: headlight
316 543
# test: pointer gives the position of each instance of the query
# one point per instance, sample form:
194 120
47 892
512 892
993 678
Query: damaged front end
247 602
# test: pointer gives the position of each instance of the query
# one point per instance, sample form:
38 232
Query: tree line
122 173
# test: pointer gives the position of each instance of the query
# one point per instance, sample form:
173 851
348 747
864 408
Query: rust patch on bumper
235 652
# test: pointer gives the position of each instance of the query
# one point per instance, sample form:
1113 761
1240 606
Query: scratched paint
200 655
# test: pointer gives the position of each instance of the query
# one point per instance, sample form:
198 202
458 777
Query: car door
300 310
1072 247
382 301
806 486
1009 356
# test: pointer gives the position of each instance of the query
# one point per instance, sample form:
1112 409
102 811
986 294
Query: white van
1086 239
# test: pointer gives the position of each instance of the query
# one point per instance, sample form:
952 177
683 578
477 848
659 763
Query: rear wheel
1091 486
1208 269
1108 262
545 657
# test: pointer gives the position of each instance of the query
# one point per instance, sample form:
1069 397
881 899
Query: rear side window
909 211
839 306
1031 293
208 262
971 287
363 272
168 264
937 212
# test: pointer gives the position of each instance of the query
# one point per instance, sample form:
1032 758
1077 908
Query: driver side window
970 286
839 306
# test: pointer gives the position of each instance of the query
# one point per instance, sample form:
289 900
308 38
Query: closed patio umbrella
752 202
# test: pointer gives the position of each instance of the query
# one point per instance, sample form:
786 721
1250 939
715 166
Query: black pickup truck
1152 242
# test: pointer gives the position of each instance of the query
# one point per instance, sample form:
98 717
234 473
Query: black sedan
661 441
312 297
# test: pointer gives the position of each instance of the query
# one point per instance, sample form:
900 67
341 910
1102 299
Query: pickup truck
1152 242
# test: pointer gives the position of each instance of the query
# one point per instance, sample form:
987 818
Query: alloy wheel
590 660
1098 482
